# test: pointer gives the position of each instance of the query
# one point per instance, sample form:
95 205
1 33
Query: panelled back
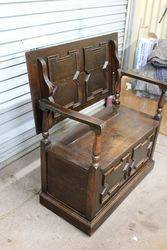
74 75
65 72
95 67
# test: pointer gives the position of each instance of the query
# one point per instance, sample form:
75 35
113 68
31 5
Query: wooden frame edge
89 227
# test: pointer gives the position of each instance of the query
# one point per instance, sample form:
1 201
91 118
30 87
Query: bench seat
117 138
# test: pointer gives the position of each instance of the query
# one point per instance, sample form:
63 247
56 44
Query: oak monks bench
88 171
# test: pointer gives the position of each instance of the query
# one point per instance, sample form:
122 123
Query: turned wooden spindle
94 175
96 151
45 127
117 96
47 123
44 145
161 102
117 79
114 66
45 136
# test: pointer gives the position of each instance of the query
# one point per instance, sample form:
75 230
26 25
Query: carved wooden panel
64 72
141 153
117 175
95 66
114 178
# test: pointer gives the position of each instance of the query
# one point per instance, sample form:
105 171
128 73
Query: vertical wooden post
113 70
94 176
118 77
96 150
158 117
45 143
161 102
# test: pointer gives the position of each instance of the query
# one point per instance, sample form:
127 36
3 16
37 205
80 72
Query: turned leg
96 151
43 149
161 102
45 143
94 179
116 78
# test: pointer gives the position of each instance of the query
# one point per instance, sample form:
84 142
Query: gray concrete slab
140 222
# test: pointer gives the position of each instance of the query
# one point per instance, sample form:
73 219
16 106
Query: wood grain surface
129 99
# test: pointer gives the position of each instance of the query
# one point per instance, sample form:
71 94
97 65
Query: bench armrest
94 123
161 84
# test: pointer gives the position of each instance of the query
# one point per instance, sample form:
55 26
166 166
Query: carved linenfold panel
64 72
95 66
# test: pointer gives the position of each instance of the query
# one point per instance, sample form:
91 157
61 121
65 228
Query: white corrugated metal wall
146 17
154 10
27 24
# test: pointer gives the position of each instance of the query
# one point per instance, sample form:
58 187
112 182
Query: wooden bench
88 171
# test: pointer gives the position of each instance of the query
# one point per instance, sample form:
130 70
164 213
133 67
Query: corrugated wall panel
153 13
28 24
147 14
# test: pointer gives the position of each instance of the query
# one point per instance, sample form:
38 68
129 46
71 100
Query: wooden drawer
117 175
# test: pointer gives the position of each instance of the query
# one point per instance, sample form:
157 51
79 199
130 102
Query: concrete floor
140 222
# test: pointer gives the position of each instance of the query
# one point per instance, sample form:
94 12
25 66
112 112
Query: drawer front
118 174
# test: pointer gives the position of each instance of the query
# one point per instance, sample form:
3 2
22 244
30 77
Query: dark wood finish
90 169
79 221
161 103
115 136
94 123
78 71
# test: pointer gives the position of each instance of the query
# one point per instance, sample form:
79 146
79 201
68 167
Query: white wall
27 24
146 15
